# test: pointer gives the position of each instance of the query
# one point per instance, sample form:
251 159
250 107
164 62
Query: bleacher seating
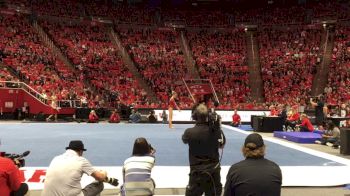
289 54
288 62
160 61
91 51
221 57
26 53
339 74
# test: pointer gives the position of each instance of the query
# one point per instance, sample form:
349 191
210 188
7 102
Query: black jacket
204 144
258 177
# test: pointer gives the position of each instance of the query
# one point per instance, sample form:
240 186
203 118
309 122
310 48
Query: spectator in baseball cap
255 175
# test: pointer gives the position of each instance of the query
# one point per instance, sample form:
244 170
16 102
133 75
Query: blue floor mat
246 127
111 144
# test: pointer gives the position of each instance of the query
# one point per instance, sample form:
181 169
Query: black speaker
345 141
256 122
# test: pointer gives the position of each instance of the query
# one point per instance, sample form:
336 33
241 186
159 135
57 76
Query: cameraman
204 142
11 179
318 104
65 171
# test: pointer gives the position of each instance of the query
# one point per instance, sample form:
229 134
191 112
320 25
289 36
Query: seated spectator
331 136
114 118
137 170
236 119
305 125
135 116
343 113
164 117
293 118
273 111
93 118
152 118
248 178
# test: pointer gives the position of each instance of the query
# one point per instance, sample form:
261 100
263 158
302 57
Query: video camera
214 120
112 181
152 149
18 159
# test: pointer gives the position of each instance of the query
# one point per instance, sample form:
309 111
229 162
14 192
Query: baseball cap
255 139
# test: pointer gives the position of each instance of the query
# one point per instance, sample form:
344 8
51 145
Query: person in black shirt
255 175
152 117
283 114
204 142
318 104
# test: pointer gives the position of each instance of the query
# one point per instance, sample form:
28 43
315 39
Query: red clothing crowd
288 62
35 63
221 57
98 60
159 60
338 88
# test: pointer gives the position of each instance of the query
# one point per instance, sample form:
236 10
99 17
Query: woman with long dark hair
137 170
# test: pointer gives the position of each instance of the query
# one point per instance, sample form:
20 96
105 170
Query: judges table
266 123
336 120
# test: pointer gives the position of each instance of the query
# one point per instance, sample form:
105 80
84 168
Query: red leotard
172 103
54 107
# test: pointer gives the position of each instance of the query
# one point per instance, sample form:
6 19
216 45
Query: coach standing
318 104
204 143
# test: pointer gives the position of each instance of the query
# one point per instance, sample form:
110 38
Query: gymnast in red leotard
172 105
54 108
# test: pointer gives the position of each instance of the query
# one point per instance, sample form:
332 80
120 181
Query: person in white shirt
65 171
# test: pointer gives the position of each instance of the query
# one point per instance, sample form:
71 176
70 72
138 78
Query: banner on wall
35 176
200 89
226 116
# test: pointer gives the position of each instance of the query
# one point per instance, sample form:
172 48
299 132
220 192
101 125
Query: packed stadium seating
5 75
25 52
195 18
94 55
120 14
221 57
160 61
288 61
339 74
289 39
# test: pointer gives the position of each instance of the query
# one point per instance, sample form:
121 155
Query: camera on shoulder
214 120
18 159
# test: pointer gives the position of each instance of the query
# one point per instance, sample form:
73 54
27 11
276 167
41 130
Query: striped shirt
137 175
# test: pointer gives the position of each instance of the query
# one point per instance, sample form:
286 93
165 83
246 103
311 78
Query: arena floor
108 145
